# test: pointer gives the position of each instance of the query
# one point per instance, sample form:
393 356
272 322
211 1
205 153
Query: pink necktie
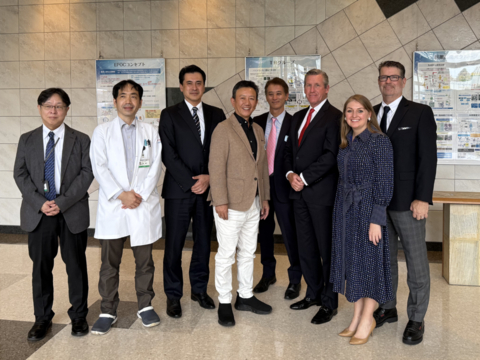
272 139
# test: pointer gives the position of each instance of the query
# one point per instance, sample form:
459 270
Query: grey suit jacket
75 178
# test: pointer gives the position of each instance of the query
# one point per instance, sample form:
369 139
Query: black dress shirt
249 132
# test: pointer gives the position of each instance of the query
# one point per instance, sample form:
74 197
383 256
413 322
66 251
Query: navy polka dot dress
365 187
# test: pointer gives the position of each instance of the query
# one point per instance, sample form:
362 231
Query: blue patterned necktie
50 168
197 121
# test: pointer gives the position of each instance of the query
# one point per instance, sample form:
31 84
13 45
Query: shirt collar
364 135
190 106
279 117
241 120
123 123
393 105
59 132
318 107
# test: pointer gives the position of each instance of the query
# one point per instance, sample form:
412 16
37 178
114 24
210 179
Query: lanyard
45 161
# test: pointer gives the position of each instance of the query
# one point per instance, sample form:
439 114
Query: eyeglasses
383 78
51 107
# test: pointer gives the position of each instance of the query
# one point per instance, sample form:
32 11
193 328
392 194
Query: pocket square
404 128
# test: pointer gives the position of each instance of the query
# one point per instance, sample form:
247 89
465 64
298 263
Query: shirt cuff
288 173
303 179
379 215
117 194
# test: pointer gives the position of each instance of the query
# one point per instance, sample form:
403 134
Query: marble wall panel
302 29
29 2
446 172
165 43
57 17
30 19
28 101
110 44
330 66
279 12
283 51
426 42
306 12
352 50
444 185
249 13
138 44
8 2
32 46
438 11
239 64
466 172
364 15
193 43
83 74
334 6
9 20
337 30
250 41
164 14
202 63
7 156
224 92
10 130
9 189
10 100
58 74
321 10
221 43
10 211
472 16
467 185
455 33
85 124
380 41
339 93
409 24
192 14
220 14
211 98
9 44
83 17
473 46
172 68
365 83
277 36
84 102
28 123
407 91
137 15
310 43
83 45
219 70
57 46
32 74
10 75
110 16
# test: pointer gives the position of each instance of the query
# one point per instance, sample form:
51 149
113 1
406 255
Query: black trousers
43 248
286 220
178 214
314 232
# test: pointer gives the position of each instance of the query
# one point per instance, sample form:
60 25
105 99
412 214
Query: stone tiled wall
46 43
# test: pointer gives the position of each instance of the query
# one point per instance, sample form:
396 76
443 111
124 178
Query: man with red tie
311 168
276 125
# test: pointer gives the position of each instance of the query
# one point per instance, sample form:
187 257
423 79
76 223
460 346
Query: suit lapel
301 116
68 142
208 122
38 151
399 114
187 117
257 137
314 122
238 129
283 132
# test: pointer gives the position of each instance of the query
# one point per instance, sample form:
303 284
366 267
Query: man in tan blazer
239 192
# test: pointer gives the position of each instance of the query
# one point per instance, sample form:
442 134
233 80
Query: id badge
144 162
46 188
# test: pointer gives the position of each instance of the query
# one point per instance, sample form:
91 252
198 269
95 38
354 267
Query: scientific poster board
150 73
292 69
449 82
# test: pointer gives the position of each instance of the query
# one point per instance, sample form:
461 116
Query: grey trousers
411 232
112 251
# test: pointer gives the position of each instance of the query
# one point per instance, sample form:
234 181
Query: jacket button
255 179
296 158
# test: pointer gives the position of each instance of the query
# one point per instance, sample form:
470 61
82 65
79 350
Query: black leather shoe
174 309
204 300
293 291
252 304
305 304
225 315
383 316
79 327
39 330
413 333
324 315
263 284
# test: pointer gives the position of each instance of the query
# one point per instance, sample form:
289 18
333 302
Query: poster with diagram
149 73
292 69
449 82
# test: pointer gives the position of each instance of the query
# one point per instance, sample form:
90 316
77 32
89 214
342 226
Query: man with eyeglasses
412 129
53 172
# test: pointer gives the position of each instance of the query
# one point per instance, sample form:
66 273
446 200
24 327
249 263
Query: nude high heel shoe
357 341
347 333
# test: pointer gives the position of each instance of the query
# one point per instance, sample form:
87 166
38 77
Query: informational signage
150 73
292 69
449 82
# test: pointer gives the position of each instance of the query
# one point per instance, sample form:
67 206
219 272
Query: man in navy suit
276 125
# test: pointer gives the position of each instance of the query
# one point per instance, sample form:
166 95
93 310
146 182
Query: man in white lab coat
126 162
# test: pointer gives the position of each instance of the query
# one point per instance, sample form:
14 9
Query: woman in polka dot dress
360 255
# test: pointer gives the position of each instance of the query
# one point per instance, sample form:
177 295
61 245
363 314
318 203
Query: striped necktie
50 168
197 121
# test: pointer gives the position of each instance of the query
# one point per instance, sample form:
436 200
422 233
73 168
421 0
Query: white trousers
238 232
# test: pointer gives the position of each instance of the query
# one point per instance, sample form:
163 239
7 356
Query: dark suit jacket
282 186
316 158
183 153
75 178
413 133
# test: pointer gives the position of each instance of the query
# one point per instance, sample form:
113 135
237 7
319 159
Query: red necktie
306 125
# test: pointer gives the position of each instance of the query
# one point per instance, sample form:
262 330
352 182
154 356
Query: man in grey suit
53 172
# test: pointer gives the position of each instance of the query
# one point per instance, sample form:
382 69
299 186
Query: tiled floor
452 322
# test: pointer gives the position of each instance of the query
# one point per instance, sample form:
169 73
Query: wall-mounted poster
150 73
292 69
449 82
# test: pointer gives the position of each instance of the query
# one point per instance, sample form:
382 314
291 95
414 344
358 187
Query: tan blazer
234 173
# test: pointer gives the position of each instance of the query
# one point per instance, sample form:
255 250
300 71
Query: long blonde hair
372 125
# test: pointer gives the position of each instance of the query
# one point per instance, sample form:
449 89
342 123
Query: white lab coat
107 153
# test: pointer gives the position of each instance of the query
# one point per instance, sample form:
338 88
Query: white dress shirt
59 134
200 116
316 110
393 107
